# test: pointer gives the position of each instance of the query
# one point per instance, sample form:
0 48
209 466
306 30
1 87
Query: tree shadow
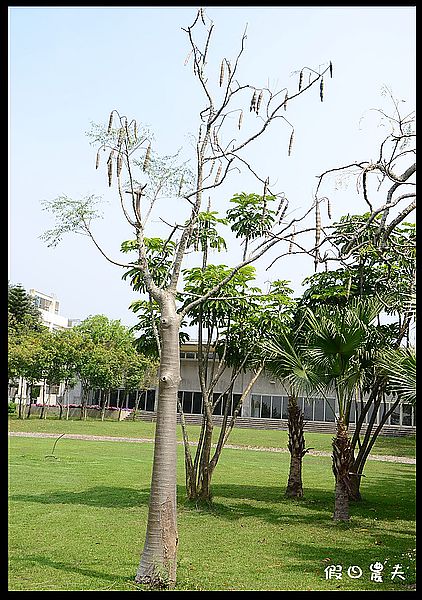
71 568
101 496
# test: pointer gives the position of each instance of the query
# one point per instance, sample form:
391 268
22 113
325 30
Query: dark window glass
285 409
197 403
369 414
219 406
329 406
395 416
352 414
307 409
266 407
113 397
236 398
255 405
319 409
276 407
150 401
300 402
190 355
187 402
141 400
183 355
407 414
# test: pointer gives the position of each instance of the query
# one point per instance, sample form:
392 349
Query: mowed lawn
266 438
77 521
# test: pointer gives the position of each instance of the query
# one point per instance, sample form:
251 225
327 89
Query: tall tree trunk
158 560
342 461
296 447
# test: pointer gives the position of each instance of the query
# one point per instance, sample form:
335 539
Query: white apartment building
49 308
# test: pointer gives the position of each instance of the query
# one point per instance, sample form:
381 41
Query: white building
49 307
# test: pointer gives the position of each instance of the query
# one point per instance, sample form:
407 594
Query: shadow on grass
386 498
386 548
69 567
107 497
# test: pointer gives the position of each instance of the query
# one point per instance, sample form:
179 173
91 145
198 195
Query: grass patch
266 438
78 522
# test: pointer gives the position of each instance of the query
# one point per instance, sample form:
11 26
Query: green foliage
398 365
251 218
205 234
23 315
159 254
11 408
71 216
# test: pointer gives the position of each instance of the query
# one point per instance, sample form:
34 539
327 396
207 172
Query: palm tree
285 359
337 350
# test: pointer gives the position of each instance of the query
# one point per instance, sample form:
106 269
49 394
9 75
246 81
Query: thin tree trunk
296 447
158 560
342 460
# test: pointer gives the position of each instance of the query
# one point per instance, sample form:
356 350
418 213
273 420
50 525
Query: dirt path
105 438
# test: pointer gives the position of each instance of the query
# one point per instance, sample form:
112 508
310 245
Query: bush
11 408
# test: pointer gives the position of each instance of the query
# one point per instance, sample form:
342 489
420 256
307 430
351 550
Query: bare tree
220 152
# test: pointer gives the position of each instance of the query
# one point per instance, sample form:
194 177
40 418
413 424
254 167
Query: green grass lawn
78 522
395 446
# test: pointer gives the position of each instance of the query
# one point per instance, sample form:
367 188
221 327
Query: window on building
285 409
276 407
235 402
329 410
265 407
197 403
319 409
395 416
406 414
255 406
308 409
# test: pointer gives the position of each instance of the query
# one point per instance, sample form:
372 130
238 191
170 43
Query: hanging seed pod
292 240
300 80
326 265
215 137
119 165
284 211
264 196
217 177
331 69
222 72
147 156
120 136
317 224
329 208
280 206
110 122
135 130
285 101
321 89
291 143
110 168
212 168
253 102
187 58
97 159
180 186
240 119
258 104
229 69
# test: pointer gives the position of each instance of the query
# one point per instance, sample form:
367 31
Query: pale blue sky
69 66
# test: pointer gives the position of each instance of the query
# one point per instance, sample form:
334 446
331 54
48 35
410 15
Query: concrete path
105 438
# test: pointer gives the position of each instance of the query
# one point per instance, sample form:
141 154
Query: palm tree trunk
342 461
158 560
296 448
